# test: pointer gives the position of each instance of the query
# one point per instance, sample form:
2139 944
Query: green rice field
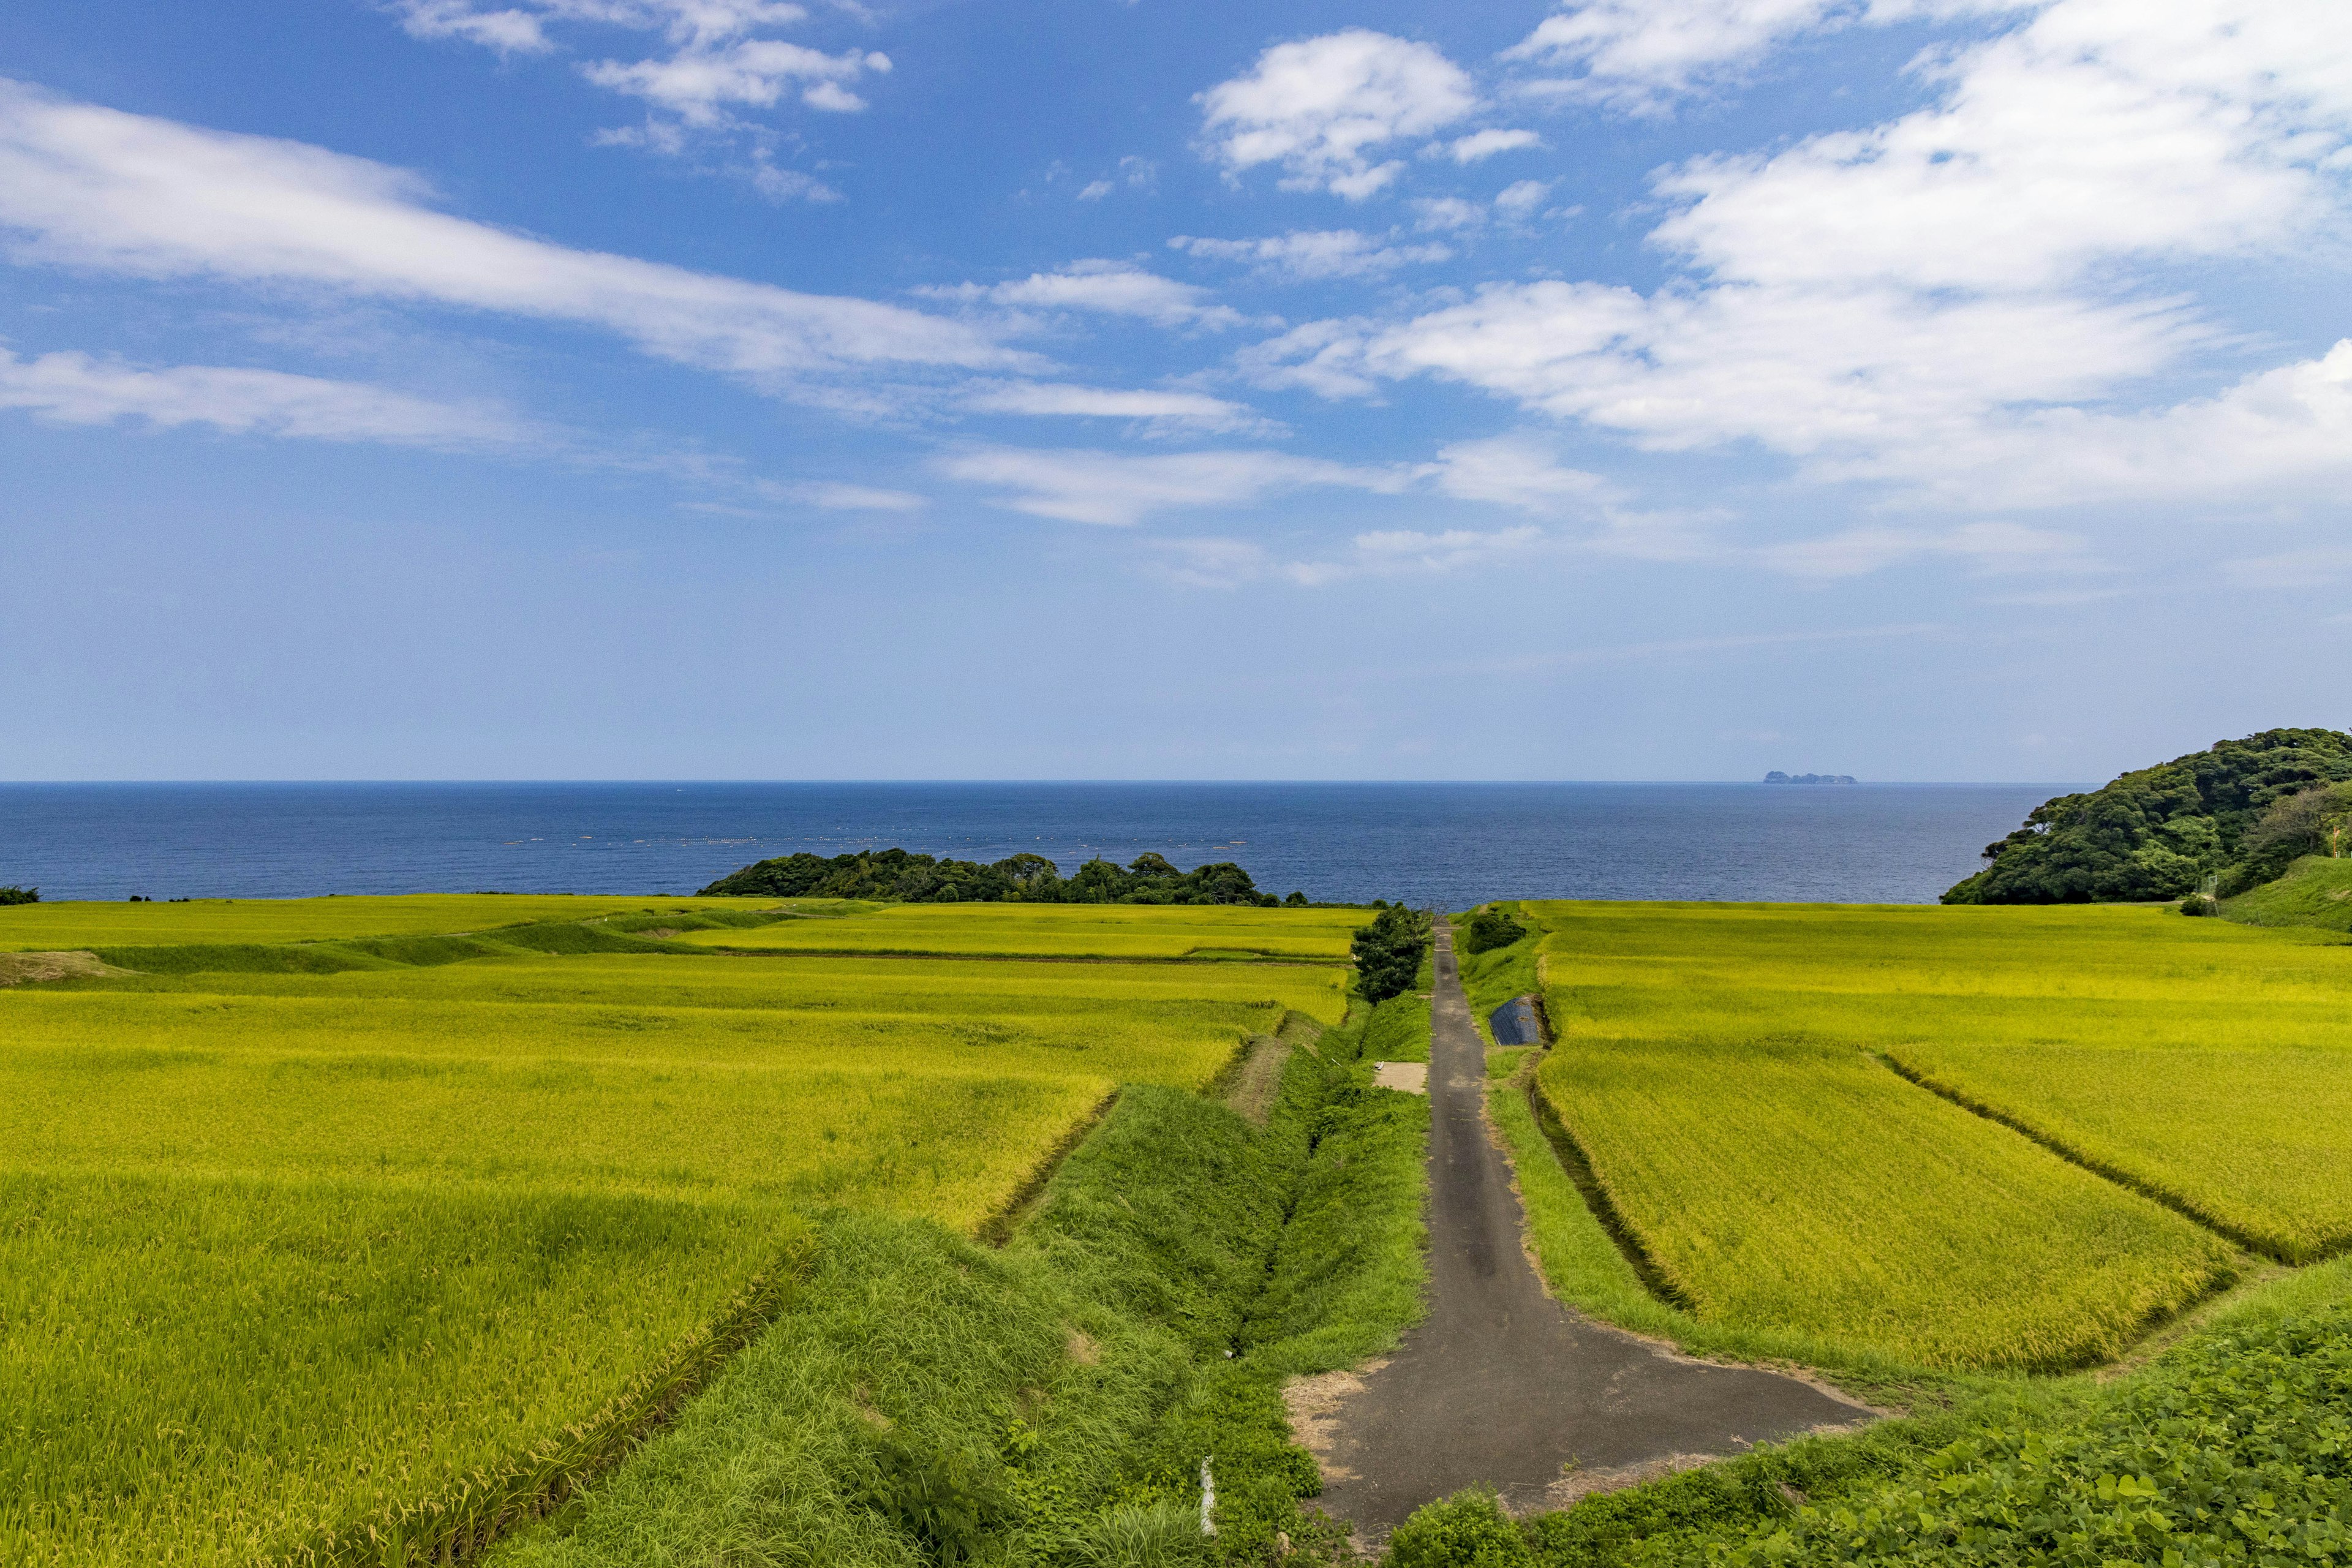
479 1220
1062 930
1729 1073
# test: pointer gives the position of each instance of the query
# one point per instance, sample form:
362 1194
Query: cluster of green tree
1389 951
2242 811
1490 928
1026 879
20 895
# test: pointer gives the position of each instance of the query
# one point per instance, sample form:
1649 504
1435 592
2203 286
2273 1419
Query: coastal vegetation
1149 878
2241 811
16 895
1389 952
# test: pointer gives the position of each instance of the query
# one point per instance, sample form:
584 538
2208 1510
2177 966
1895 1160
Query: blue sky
1921 389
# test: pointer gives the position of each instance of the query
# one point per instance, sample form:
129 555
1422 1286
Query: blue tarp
1516 1023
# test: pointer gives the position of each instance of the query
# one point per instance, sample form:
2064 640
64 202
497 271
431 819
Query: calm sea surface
1449 845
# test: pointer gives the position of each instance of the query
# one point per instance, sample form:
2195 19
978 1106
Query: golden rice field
68 926
1062 930
1719 1066
476 1219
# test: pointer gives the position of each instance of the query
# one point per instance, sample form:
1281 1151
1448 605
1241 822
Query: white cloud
1442 213
1214 562
1104 288
1516 472
73 388
2313 568
1162 411
1943 301
720 62
1318 253
1322 107
1481 144
701 85
1520 198
1636 54
1987 547
1136 173
836 497
86 186
1119 491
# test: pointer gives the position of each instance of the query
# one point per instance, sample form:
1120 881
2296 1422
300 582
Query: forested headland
2240 812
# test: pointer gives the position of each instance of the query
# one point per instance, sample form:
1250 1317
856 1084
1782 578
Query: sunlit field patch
1063 931
1717 1065
65 926
294 1254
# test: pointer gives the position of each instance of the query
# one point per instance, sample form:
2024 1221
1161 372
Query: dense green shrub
1388 953
2153 834
1468 1530
1149 878
20 895
1490 928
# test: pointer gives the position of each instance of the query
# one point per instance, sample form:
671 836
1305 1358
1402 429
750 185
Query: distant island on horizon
1777 776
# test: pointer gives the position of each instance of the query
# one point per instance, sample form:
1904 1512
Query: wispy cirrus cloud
1156 410
74 388
88 187
1311 254
1099 288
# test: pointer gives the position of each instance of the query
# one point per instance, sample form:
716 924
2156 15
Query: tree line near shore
915 878
2240 813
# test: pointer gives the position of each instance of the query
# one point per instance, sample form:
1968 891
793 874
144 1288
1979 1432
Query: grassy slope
2316 891
929 1399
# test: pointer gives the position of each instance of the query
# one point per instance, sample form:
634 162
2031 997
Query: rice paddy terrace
326 1222
1960 1139
312 1210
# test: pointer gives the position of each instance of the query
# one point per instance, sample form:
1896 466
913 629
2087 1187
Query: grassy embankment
483 1220
1053 1401
2317 891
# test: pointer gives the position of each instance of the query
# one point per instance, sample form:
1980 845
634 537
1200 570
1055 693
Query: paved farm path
1501 1386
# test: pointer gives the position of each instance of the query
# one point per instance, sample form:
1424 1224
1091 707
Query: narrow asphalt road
1502 1386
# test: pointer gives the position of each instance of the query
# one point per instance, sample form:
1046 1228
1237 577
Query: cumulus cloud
1520 198
700 86
1101 287
1324 108
1947 295
91 187
1316 253
74 388
1158 411
1517 470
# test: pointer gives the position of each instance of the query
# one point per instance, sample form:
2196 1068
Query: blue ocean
1448 845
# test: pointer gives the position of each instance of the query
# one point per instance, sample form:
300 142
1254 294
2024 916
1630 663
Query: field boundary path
1502 1386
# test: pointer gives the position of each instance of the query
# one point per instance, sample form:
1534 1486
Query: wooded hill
2243 810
